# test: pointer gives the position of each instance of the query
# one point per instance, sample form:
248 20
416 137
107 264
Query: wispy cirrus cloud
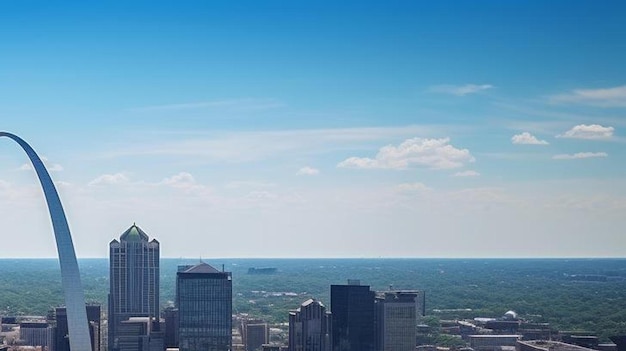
579 155
239 184
526 138
181 181
429 153
468 173
248 146
411 188
591 131
241 103
606 97
460 90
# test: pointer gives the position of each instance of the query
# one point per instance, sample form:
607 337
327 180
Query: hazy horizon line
351 258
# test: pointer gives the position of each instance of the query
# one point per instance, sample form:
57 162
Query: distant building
204 301
397 320
545 345
588 341
310 327
62 342
257 334
492 342
352 308
134 281
138 334
170 315
37 334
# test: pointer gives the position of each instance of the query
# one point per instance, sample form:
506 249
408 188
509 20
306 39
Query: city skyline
394 129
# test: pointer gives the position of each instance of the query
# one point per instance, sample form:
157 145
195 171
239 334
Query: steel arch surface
70 275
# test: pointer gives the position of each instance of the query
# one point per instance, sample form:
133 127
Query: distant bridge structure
70 276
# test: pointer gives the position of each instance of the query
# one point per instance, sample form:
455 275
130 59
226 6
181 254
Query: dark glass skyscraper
62 342
204 297
134 279
353 317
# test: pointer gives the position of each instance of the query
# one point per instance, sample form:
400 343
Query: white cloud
110 179
460 90
412 188
182 180
430 153
185 181
50 167
526 138
468 173
591 131
310 171
261 195
608 97
579 155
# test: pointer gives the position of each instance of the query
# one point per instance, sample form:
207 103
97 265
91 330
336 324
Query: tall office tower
134 280
310 327
397 320
204 298
62 342
256 334
353 319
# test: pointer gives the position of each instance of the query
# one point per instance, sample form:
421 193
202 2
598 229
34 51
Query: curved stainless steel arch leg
70 276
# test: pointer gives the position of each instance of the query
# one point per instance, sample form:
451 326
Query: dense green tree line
540 290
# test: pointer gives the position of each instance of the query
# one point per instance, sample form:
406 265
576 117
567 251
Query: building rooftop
312 301
553 345
134 233
201 268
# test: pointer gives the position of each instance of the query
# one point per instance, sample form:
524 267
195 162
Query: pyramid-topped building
134 280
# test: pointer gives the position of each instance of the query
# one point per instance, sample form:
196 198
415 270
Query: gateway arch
70 276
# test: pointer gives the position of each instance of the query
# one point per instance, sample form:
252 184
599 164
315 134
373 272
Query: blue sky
319 129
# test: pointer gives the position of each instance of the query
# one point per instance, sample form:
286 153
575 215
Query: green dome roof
134 233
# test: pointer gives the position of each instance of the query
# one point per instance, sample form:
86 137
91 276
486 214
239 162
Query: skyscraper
309 327
134 280
204 297
353 318
397 320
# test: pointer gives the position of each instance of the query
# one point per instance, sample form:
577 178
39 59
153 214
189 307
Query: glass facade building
353 317
134 280
397 320
62 342
204 298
